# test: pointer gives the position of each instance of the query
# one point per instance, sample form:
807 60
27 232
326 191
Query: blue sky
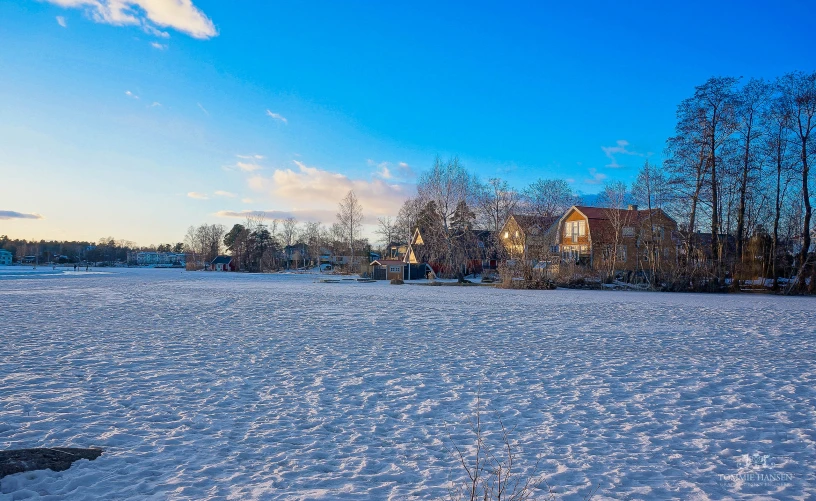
138 118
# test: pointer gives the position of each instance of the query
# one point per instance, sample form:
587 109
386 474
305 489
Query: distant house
395 250
619 239
222 263
5 257
413 252
390 269
160 259
481 249
530 238
296 255
699 244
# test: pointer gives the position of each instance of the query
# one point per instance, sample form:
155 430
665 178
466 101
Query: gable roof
222 260
625 214
526 222
387 262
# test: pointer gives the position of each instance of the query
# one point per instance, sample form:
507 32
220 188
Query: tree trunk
777 216
803 254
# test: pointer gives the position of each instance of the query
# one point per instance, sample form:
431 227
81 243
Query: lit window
506 234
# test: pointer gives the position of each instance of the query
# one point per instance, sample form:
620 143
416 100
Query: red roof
387 262
604 213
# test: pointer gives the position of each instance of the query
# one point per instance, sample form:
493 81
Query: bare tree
549 197
312 236
651 190
751 102
350 218
408 218
716 100
777 150
686 163
441 190
613 198
495 202
799 100
387 230
289 230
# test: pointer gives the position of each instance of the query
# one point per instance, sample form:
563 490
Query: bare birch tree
549 198
387 230
350 218
613 198
799 98
443 188
495 201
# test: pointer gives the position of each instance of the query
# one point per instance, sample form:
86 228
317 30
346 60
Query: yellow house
530 238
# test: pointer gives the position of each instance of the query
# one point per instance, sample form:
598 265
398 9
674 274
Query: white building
153 258
5 257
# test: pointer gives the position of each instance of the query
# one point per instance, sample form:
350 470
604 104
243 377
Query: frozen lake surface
231 386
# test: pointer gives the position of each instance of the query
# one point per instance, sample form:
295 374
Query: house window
584 249
657 232
394 269
506 234
621 253
628 231
581 228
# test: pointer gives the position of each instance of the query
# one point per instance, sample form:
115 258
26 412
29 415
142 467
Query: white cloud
315 215
155 104
226 194
382 169
157 45
150 30
198 196
384 172
323 189
250 157
619 149
203 109
247 200
248 167
180 15
595 177
61 21
405 170
277 116
10 214
131 95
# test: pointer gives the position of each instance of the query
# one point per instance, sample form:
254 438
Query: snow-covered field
232 386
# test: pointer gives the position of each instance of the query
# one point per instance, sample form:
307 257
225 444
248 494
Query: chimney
633 207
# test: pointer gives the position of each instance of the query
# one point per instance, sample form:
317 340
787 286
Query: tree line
736 178
264 244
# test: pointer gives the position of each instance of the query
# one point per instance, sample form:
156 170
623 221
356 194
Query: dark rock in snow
56 458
